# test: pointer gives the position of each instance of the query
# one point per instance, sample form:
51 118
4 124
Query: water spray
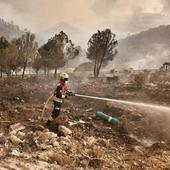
152 106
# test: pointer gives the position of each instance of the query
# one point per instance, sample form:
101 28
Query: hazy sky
122 16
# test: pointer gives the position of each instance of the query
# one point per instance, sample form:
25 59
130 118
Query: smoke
83 18
166 6
148 121
139 61
87 16
41 14
100 7
149 62
80 59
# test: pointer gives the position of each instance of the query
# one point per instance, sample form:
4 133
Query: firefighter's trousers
56 109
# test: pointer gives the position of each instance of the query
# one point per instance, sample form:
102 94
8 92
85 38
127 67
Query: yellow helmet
64 76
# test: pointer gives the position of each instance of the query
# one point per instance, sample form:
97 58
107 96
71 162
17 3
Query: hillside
84 67
146 49
9 30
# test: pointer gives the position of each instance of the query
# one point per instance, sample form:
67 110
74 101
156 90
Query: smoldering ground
152 121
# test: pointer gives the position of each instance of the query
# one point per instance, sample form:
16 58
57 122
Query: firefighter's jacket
60 92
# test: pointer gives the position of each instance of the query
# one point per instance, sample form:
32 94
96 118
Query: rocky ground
78 139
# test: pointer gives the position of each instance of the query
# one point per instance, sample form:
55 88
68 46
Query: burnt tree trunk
24 68
55 72
1 72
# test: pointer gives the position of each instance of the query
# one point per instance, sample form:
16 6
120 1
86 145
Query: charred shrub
139 80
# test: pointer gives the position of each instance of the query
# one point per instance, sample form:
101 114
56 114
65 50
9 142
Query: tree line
23 52
18 54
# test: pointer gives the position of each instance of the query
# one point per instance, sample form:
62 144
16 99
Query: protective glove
69 93
73 94
63 96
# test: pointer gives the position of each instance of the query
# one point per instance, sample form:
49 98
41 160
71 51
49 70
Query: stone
91 140
61 159
50 135
15 153
46 130
31 120
22 101
43 156
76 122
21 134
138 149
17 98
45 140
89 110
64 130
45 147
15 140
56 144
16 127
81 121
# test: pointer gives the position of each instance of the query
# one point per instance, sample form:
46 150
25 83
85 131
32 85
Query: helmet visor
65 79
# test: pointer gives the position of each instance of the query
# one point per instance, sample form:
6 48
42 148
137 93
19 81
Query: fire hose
139 104
98 114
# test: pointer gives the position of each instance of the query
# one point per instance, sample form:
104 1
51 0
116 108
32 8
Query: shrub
139 80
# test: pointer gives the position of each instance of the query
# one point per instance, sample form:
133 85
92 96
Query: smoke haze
123 17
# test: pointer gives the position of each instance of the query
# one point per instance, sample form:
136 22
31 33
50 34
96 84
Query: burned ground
88 143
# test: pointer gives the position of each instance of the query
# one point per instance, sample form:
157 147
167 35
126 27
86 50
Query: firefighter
60 93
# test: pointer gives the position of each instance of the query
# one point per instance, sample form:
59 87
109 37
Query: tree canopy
101 48
57 51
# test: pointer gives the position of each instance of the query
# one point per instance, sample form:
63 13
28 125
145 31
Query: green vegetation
101 48
23 52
